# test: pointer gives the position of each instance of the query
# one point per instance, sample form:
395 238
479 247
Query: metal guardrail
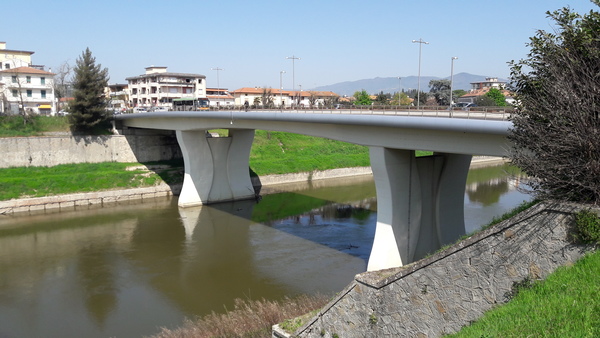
479 113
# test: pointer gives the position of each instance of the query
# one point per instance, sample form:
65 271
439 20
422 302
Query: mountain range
391 84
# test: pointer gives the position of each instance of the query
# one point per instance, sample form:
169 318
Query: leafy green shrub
587 224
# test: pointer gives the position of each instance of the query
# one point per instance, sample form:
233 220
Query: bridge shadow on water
334 214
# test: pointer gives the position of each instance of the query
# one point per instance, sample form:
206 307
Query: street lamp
451 81
399 89
281 88
218 85
293 58
420 42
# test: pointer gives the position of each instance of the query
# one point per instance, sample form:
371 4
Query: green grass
566 304
71 178
272 153
282 153
13 126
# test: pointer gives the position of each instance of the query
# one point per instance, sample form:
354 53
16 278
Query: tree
88 110
62 79
312 99
440 89
556 133
362 98
458 93
266 97
484 101
382 99
496 95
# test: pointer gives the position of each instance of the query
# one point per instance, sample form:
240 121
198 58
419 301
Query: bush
587 226
556 122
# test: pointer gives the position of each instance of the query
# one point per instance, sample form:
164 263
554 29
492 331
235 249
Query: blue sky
336 41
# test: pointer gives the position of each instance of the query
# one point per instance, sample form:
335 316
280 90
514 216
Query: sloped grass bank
566 304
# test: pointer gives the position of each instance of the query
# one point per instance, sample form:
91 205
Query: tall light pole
281 88
420 42
399 88
451 81
293 58
218 85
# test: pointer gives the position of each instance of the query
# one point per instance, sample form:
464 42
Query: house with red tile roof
27 89
481 88
219 97
285 98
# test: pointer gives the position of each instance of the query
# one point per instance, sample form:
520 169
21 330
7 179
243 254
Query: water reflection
129 269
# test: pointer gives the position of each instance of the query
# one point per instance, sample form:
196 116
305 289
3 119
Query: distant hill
391 84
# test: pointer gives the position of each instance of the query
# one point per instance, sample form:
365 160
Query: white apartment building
29 88
158 88
23 85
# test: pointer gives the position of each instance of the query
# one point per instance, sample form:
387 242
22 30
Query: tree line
438 95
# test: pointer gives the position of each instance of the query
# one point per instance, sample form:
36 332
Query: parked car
140 110
62 113
159 109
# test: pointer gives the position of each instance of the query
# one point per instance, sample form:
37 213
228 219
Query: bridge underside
420 199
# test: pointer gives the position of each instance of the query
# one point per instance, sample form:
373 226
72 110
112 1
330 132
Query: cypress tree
88 112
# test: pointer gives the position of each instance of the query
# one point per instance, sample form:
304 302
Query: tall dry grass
248 319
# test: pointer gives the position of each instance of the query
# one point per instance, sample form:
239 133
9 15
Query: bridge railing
485 113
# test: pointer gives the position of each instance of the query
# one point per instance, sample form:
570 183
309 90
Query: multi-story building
158 88
23 86
118 96
481 88
26 88
13 58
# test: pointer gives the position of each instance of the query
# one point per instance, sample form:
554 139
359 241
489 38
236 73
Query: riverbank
106 198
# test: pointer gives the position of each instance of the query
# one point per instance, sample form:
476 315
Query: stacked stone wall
441 294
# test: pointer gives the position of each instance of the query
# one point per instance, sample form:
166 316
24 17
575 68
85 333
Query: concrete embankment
81 200
441 294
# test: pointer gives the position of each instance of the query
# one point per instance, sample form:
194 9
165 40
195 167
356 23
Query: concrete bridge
420 199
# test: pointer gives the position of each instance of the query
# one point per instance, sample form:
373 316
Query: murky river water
128 270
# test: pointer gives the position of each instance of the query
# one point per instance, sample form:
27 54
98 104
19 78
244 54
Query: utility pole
293 58
218 85
451 81
281 88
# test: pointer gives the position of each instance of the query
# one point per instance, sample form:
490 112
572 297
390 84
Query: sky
252 41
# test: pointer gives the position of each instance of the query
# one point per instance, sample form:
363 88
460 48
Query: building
158 88
490 82
219 97
286 98
23 85
14 58
118 96
481 88
28 88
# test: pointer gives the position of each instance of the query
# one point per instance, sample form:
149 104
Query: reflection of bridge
420 200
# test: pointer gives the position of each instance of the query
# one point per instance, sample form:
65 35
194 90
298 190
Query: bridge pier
216 168
420 204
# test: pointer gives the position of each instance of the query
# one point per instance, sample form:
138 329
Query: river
129 269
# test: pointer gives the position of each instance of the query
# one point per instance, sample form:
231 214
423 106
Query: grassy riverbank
272 153
14 126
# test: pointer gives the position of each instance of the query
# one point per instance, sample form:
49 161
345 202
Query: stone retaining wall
138 146
440 294
73 201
